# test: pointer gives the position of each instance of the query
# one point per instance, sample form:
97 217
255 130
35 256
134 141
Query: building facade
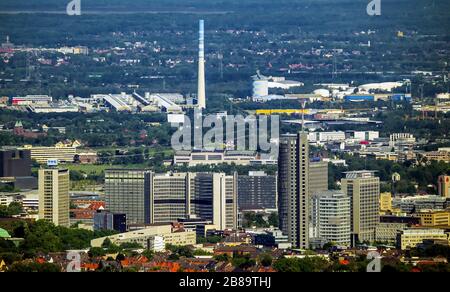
385 202
15 163
434 218
318 176
104 220
330 217
363 187
64 154
146 237
411 237
444 186
257 190
54 195
128 191
169 196
293 189
149 198
213 197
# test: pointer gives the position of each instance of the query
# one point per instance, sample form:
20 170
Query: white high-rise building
330 217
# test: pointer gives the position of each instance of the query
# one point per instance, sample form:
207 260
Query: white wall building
320 137
156 243
330 217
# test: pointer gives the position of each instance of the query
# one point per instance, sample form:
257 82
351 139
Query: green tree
266 260
95 252
243 262
25 267
308 264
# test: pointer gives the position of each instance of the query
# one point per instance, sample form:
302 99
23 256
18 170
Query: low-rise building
437 156
214 158
172 234
434 218
63 153
385 203
387 231
411 237
412 204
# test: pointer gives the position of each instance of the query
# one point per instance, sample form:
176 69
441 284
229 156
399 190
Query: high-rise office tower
128 191
363 188
201 68
330 217
257 190
148 198
15 163
293 189
318 176
54 195
169 197
213 196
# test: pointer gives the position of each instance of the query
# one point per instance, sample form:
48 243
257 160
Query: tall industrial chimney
201 68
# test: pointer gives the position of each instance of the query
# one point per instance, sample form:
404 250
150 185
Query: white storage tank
260 88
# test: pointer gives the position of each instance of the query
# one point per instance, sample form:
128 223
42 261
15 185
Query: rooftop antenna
303 114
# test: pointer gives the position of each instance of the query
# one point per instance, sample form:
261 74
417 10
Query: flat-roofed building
412 204
293 189
257 190
54 195
128 191
31 100
15 163
213 197
411 237
437 155
169 196
318 176
171 234
5 200
214 158
363 187
434 218
149 198
64 154
385 202
330 217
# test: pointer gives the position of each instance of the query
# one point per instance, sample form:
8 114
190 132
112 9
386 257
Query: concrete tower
293 188
201 68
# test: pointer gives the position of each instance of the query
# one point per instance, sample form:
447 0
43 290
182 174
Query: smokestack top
201 67
202 39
